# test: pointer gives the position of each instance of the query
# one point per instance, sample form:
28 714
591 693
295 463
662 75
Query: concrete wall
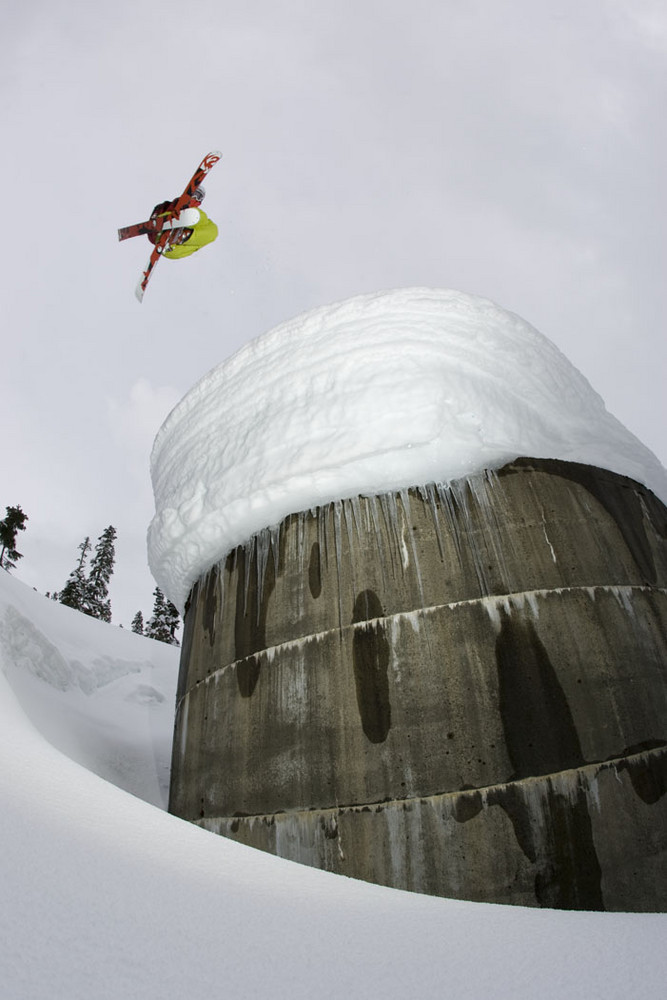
457 691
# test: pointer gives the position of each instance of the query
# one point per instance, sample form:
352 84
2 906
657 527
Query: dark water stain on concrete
540 733
570 877
466 806
511 800
315 571
370 654
628 504
648 775
247 675
542 739
210 603
555 833
250 619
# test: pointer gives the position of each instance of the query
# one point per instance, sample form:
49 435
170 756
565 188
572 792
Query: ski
189 217
168 236
139 229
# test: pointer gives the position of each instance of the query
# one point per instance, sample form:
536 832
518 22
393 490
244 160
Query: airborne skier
193 227
176 228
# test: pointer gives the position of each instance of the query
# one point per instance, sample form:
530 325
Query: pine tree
164 621
98 604
138 623
173 623
74 593
13 522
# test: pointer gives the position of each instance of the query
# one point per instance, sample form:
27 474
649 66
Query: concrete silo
457 688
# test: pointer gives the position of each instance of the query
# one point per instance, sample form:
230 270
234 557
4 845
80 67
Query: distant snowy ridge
376 393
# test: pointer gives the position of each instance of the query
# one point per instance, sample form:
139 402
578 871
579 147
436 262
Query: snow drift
106 896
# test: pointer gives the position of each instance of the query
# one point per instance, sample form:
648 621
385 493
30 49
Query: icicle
248 550
413 618
301 541
322 518
405 499
336 511
355 506
364 508
391 528
377 533
492 478
404 494
532 599
350 525
262 541
624 597
493 533
220 595
353 539
493 606
429 496
275 533
519 601
459 490
448 508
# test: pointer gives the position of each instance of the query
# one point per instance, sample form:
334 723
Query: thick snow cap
378 392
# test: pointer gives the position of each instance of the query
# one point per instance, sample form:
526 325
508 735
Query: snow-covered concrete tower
426 586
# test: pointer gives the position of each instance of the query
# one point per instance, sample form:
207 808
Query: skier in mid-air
176 228
194 228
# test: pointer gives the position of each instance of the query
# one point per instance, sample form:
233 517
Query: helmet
200 194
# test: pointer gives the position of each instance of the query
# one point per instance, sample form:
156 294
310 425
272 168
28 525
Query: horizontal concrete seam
597 766
269 652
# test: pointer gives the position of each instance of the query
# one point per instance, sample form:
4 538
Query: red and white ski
169 236
140 229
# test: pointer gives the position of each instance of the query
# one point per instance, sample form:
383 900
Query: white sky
506 148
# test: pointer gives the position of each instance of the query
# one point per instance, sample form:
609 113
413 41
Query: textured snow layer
379 392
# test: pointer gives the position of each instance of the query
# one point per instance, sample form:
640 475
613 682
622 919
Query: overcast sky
510 148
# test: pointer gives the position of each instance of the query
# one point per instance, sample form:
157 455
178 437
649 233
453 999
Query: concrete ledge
539 841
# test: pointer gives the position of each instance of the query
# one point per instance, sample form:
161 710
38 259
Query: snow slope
107 896
379 392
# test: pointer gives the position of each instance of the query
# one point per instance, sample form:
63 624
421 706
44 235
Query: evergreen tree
74 593
173 623
13 522
98 604
164 621
138 623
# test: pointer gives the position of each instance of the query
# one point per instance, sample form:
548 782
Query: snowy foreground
107 896
376 393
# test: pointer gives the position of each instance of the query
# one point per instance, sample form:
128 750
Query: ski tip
210 160
139 291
